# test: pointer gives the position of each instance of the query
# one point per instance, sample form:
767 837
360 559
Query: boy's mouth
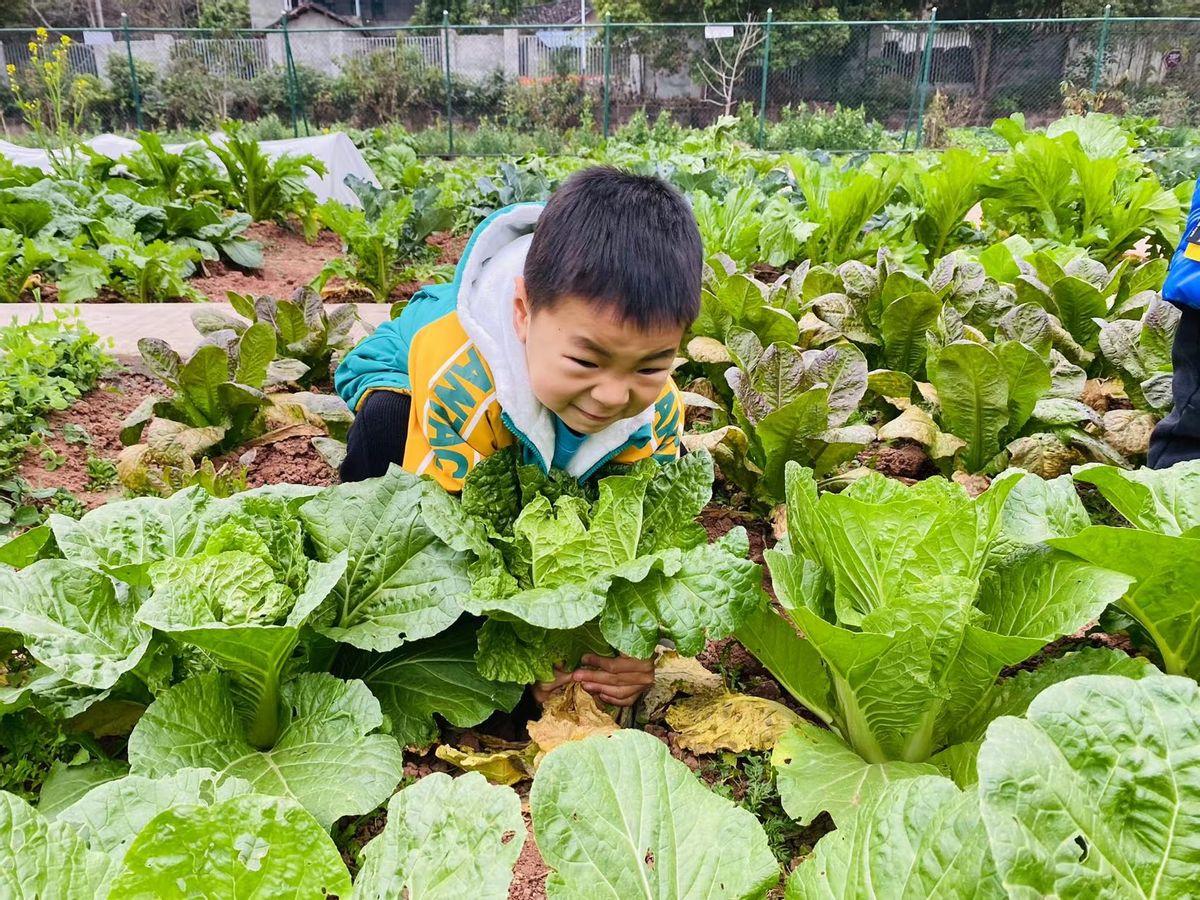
592 417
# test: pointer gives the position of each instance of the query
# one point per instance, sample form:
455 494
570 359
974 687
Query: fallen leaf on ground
674 674
507 766
728 721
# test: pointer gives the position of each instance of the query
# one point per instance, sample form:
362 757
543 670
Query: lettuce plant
1080 184
730 299
910 606
1140 350
267 189
306 332
1061 808
560 570
383 237
217 397
242 600
1160 554
789 405
943 194
652 829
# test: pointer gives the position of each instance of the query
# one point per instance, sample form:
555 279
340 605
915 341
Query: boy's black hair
629 242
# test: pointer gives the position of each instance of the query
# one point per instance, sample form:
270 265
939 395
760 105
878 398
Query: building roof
307 7
560 12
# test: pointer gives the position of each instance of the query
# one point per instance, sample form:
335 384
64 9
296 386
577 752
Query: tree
723 75
224 15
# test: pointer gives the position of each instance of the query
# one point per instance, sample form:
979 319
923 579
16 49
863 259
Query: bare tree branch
723 77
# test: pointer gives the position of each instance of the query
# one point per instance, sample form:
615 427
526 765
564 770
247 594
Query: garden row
236 676
138 227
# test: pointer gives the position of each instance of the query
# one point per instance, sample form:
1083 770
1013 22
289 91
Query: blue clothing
1182 286
566 442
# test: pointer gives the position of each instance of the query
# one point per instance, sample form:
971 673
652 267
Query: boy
1177 437
559 337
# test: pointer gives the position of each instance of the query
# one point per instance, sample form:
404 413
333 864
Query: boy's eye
658 370
583 362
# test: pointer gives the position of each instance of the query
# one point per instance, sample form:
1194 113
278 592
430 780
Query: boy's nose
610 394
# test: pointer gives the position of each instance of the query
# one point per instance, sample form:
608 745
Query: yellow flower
43 34
64 40
33 48
12 70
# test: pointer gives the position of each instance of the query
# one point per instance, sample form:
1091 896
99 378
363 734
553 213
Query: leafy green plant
686 835
943 194
844 204
306 332
1140 351
217 397
789 405
509 185
1158 554
388 232
1018 831
188 175
1080 184
269 190
911 601
44 365
101 473
562 571
242 600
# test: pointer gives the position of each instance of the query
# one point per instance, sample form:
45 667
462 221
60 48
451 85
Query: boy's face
589 368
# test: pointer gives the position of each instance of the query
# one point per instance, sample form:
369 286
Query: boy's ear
521 310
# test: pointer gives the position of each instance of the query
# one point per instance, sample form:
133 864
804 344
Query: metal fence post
449 99
133 79
607 69
762 100
923 87
916 106
287 73
1098 68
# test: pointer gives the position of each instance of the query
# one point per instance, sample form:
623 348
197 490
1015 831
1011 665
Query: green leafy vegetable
445 838
327 756
616 816
912 616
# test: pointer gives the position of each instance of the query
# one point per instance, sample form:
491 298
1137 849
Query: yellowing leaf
501 766
569 715
708 350
736 722
675 674
916 425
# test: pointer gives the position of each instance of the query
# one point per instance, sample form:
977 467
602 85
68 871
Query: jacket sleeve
379 362
1182 286
668 424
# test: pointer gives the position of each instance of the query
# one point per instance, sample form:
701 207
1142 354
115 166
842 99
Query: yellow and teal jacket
454 350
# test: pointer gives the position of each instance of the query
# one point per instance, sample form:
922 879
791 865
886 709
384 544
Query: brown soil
99 413
903 460
293 460
289 262
718 520
766 273
529 874
450 246
1088 636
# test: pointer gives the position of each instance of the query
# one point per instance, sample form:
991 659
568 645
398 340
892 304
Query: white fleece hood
487 275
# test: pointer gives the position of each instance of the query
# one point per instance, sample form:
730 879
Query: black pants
377 437
1177 437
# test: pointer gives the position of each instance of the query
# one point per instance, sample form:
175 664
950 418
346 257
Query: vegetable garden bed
922 624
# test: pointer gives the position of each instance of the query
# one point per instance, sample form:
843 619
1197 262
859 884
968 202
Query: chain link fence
905 83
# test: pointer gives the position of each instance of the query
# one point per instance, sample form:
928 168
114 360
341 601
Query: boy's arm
668 423
379 362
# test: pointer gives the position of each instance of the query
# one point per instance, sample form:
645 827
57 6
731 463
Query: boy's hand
618 680
543 689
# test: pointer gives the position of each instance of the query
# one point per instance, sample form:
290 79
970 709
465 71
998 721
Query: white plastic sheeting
337 151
